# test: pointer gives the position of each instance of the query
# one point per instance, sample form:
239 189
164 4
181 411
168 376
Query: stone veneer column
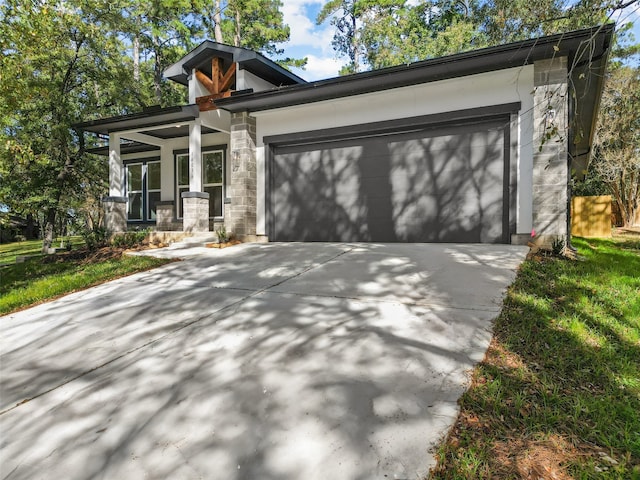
164 216
195 212
550 158
240 214
115 214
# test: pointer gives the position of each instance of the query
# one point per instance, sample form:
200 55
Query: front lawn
558 393
9 251
44 278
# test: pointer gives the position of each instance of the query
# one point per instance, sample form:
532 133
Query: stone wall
550 159
165 215
195 212
115 214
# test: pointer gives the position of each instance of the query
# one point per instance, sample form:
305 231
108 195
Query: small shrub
129 239
557 246
94 238
221 232
20 238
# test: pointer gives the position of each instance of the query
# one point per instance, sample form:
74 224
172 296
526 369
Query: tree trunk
50 221
217 21
157 71
30 234
236 37
136 58
355 46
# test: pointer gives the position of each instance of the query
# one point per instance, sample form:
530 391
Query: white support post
116 169
195 157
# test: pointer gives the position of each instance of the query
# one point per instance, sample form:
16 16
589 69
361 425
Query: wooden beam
206 82
216 65
227 80
206 103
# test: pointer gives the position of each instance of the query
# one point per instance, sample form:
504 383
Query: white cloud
319 68
304 31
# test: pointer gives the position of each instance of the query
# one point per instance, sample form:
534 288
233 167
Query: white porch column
115 205
195 157
195 202
116 169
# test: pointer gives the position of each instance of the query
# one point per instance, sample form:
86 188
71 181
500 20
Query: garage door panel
442 186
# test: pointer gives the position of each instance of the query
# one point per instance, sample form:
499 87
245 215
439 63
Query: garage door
444 184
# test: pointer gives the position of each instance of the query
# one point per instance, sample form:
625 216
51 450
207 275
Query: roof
587 51
200 58
516 54
149 117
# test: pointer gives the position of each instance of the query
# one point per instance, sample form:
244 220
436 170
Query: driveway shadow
250 365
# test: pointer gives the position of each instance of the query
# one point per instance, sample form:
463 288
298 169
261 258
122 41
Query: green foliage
222 235
59 64
130 239
254 24
345 15
95 238
616 161
590 185
557 246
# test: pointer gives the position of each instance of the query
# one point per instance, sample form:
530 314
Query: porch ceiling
150 117
174 132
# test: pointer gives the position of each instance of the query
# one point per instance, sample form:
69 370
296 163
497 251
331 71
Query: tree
161 31
617 142
405 33
61 63
254 24
345 15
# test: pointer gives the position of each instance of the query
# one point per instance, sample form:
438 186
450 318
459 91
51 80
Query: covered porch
179 169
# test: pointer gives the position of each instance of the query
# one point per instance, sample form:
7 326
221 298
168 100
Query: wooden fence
591 216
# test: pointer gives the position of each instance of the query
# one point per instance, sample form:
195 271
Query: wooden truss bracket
219 85
206 103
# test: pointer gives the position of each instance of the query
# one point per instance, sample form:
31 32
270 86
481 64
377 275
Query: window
212 179
134 191
153 188
143 190
182 176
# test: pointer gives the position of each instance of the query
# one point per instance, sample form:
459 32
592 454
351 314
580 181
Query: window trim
151 190
144 193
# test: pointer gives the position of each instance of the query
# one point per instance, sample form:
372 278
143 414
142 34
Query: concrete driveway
272 361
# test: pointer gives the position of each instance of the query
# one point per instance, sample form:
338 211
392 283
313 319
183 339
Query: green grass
36 280
559 389
9 251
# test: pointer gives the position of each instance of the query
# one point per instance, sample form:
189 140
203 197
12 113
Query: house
472 147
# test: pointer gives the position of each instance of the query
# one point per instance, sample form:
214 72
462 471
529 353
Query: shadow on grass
562 370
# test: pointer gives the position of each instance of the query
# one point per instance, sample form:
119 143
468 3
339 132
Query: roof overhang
125 148
201 56
151 117
587 52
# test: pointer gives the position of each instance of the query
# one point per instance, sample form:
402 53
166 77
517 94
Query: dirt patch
84 255
534 459
230 243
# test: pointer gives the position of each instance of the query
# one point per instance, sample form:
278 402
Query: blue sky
310 40
314 42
